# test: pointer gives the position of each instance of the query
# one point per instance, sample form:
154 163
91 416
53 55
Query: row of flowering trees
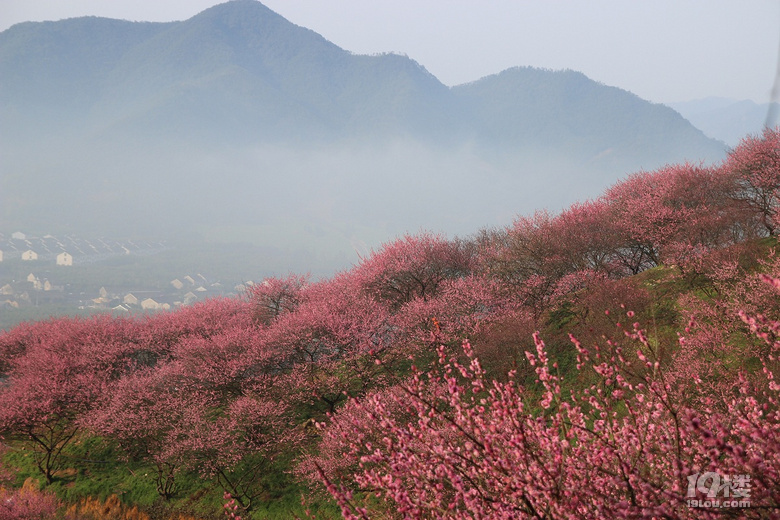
697 436
410 423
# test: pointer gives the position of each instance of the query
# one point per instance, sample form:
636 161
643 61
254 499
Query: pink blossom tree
717 345
413 266
328 342
462 307
678 205
755 167
161 332
454 443
589 234
216 406
63 367
142 414
276 296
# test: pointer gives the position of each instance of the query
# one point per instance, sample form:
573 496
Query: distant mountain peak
99 111
244 7
251 24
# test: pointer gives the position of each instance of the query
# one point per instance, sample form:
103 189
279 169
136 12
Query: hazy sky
662 50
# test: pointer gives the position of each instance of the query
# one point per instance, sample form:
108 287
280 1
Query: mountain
237 124
606 126
235 71
728 120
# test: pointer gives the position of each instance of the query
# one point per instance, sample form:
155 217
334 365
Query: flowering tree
590 236
413 266
214 406
717 345
276 296
676 205
755 167
462 307
144 413
160 333
528 249
326 344
64 366
454 443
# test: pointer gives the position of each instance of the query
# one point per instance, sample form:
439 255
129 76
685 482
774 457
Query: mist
238 127
319 206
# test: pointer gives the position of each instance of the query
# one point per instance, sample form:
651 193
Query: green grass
94 468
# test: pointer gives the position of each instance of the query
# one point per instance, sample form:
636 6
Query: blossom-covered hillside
615 360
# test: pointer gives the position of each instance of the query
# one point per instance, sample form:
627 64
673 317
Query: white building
150 305
29 255
64 259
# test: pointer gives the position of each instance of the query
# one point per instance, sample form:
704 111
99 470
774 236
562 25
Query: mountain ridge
276 62
238 102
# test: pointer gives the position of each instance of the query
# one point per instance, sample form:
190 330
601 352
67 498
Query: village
36 273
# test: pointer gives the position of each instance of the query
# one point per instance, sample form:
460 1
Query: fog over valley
239 126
